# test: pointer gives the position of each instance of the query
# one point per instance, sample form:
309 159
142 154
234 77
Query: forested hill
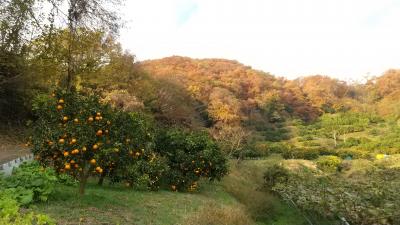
232 91
230 97
246 93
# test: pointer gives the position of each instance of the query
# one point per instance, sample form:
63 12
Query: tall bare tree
86 15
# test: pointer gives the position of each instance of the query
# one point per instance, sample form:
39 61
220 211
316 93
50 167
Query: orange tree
190 156
73 132
131 158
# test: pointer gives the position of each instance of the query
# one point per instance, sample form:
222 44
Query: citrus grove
78 135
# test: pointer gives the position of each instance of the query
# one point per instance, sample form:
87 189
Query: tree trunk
72 27
82 185
334 138
101 179
84 175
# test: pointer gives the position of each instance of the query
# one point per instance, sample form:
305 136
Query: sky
345 39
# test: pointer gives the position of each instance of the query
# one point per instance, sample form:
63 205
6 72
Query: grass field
238 199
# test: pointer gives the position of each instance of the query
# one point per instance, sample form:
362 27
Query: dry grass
219 215
245 183
299 164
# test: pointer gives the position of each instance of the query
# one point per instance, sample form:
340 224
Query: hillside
234 100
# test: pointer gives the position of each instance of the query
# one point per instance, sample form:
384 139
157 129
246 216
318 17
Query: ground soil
11 148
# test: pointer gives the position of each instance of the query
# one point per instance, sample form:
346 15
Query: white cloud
341 38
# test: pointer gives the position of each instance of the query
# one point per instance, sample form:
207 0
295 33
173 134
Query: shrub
189 157
311 144
10 215
147 174
301 153
67 179
353 153
370 200
328 163
132 136
78 135
30 182
275 174
276 134
276 148
305 138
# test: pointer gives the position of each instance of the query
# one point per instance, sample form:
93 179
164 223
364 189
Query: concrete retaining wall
8 167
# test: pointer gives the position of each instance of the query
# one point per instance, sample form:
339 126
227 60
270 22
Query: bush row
76 134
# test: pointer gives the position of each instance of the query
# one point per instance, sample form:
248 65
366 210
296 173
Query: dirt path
11 149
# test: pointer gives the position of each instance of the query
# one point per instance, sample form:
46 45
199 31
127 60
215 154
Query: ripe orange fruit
59 107
76 165
72 161
67 166
66 153
76 120
84 149
137 153
93 161
61 101
101 171
95 147
90 119
75 151
50 143
106 131
100 117
97 118
99 133
61 141
98 168
98 114
108 122
65 118
73 141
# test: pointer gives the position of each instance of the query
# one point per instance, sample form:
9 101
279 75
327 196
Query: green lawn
240 192
119 205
